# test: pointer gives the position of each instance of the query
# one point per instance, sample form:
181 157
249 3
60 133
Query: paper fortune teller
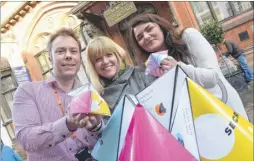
87 100
155 60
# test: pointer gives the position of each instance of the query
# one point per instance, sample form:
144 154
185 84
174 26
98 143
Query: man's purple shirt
40 126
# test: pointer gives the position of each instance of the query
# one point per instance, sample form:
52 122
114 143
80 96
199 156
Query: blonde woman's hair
98 47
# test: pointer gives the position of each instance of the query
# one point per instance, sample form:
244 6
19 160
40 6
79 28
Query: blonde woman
105 64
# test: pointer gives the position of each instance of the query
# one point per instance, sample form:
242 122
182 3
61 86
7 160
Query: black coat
234 50
132 81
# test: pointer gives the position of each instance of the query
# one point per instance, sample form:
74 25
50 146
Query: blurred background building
26 26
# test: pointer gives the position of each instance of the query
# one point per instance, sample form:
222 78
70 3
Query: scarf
106 82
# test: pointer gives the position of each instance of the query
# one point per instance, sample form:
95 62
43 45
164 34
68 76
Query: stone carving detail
40 41
141 9
70 21
89 30
50 22
9 37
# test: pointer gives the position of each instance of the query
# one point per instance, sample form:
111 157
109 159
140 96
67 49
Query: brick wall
232 27
243 22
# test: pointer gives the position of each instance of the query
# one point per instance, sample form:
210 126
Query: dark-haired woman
150 33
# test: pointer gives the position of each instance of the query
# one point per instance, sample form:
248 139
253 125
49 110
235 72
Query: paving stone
247 98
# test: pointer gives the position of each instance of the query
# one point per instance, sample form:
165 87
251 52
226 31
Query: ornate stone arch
45 20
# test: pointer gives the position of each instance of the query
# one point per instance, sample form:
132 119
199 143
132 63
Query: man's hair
62 32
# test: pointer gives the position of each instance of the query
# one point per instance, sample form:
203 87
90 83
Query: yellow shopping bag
222 134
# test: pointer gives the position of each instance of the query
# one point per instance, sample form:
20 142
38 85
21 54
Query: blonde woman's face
106 66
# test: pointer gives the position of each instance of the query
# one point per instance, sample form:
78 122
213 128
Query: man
43 126
236 52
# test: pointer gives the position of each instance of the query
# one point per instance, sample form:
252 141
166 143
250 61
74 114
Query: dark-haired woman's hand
168 63
157 72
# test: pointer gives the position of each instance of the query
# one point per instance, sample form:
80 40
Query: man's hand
90 121
72 121
75 121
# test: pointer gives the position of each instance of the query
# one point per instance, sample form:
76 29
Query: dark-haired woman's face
150 37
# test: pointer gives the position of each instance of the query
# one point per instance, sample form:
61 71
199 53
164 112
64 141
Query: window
8 125
8 89
241 6
7 83
244 36
47 75
218 11
202 12
10 130
222 10
9 86
9 97
43 60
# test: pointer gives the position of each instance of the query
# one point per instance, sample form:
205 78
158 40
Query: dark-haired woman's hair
177 48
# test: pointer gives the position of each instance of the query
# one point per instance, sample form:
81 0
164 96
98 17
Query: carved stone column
89 30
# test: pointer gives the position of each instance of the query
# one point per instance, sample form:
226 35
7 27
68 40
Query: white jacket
206 71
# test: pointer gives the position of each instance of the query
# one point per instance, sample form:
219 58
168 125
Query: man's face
65 57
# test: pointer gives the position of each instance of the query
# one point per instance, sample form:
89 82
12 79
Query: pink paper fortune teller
148 140
81 103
